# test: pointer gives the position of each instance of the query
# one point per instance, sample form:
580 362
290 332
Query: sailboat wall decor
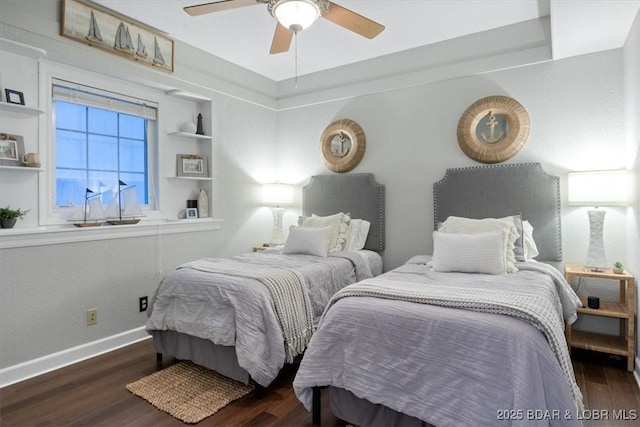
124 207
107 30
90 214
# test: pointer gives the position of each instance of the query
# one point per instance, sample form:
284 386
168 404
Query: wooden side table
624 343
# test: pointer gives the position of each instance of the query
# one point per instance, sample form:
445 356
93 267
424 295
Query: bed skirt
202 352
348 407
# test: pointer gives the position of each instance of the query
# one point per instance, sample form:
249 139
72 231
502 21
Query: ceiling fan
296 15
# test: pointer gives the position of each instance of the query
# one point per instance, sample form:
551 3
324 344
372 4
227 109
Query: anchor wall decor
493 129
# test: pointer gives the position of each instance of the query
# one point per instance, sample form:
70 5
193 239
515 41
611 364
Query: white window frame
51 215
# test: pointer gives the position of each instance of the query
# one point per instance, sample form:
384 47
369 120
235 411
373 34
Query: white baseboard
51 362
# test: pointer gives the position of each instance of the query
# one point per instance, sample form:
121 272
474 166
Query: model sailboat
90 214
141 51
124 207
158 59
94 31
123 42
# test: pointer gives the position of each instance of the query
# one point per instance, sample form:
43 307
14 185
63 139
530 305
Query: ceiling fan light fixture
296 15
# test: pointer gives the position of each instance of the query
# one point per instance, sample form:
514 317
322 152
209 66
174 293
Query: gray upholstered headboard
503 190
356 193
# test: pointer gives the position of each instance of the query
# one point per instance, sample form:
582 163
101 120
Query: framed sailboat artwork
102 28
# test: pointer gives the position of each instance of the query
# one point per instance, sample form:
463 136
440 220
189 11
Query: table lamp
598 188
277 195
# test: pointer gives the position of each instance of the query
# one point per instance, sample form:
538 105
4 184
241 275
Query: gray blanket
239 311
443 365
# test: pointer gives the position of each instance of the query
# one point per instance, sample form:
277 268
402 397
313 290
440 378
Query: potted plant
8 216
618 268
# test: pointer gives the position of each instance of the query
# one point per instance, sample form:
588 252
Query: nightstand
624 343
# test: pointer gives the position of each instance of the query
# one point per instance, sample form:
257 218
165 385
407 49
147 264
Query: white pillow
339 224
470 253
358 235
454 224
308 240
530 248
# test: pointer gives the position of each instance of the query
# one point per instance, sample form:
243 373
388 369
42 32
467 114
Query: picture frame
191 213
14 96
493 129
192 165
11 149
342 145
105 29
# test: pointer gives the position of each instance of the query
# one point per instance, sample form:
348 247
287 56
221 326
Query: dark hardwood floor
92 393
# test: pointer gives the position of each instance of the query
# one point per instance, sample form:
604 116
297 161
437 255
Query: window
101 141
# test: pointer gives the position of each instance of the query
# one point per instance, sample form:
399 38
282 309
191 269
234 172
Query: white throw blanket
539 312
289 294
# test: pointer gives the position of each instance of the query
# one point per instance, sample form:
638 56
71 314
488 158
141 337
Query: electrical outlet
92 316
143 303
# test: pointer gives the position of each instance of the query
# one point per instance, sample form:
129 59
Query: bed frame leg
315 406
159 357
258 391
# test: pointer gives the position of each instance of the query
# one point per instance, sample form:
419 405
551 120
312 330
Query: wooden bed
357 194
404 382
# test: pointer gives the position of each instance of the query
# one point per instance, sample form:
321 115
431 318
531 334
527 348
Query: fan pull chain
295 47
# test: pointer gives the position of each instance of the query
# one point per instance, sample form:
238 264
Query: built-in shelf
21 109
192 178
21 168
21 49
187 95
190 135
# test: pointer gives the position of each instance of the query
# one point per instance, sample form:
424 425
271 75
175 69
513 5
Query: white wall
45 290
580 120
632 154
411 140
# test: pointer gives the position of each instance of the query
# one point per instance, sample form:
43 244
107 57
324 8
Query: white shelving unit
186 107
21 168
21 49
20 109
191 136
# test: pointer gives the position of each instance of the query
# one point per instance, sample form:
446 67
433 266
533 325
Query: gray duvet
446 366
238 311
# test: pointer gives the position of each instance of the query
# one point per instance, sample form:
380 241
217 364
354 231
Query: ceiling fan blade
352 21
281 40
217 6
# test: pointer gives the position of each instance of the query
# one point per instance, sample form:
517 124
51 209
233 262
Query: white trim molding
51 362
40 236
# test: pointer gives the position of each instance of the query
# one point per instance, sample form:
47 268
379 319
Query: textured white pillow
530 248
470 253
454 224
308 240
339 224
359 232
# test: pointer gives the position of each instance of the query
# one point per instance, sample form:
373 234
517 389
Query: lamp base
277 237
596 256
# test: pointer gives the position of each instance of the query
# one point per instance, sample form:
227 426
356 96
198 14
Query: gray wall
584 116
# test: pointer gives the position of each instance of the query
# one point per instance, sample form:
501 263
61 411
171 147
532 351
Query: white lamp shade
296 15
599 188
277 194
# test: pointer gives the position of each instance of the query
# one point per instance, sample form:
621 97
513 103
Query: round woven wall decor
342 145
493 129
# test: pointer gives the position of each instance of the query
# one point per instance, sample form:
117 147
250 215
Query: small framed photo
11 149
14 97
192 213
192 165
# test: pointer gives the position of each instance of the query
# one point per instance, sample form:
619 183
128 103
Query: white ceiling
243 35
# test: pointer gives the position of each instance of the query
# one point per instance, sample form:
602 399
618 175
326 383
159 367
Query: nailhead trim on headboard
535 193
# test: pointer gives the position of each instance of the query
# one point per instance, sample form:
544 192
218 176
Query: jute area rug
188 392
